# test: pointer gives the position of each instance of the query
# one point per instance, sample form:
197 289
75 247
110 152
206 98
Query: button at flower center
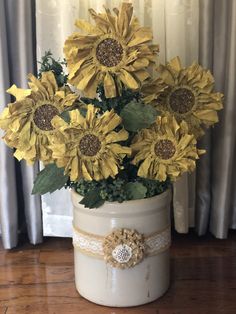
122 253
89 145
181 100
109 52
164 149
43 116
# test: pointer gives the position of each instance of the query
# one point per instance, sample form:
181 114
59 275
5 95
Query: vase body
100 282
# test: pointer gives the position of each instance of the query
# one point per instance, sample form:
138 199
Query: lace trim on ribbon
91 244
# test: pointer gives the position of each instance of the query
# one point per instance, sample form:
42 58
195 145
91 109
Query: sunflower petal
19 154
207 115
75 68
49 79
124 18
109 121
18 93
36 85
122 135
86 79
144 167
109 86
118 149
175 64
128 79
141 36
87 27
91 114
100 20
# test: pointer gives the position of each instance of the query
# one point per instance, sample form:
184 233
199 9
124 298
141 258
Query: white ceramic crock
103 284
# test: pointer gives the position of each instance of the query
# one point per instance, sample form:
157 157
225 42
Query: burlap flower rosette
124 248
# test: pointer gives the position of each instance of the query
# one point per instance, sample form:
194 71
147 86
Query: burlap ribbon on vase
123 247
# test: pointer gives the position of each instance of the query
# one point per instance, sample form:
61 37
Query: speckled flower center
89 145
43 116
109 52
164 149
181 100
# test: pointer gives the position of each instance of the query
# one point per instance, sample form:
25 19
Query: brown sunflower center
164 149
89 145
109 52
181 100
43 116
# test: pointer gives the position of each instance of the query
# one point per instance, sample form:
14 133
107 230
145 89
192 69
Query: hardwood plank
73 308
195 311
192 246
207 268
55 244
199 294
36 274
182 294
197 251
53 293
93 309
58 257
207 240
19 257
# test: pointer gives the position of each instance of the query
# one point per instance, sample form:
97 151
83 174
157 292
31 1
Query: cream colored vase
122 250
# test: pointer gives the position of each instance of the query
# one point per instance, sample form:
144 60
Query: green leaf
65 116
136 116
135 190
83 111
92 199
49 179
48 63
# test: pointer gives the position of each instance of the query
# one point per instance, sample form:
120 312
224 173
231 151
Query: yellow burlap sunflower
113 51
27 121
86 146
186 93
165 150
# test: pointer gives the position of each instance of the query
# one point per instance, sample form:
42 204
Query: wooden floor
40 279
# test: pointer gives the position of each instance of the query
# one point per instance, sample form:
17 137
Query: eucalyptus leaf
92 199
135 190
50 179
83 111
65 116
136 116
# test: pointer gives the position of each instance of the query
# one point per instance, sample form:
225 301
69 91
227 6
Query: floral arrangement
108 128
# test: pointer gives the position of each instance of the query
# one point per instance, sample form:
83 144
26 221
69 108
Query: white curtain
175 27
